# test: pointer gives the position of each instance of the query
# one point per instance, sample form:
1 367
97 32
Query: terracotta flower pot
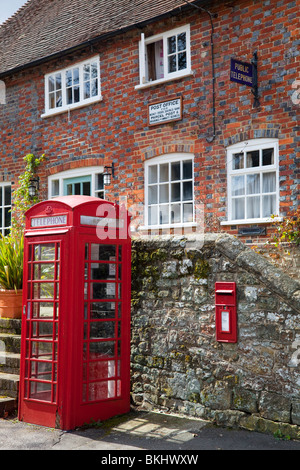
11 303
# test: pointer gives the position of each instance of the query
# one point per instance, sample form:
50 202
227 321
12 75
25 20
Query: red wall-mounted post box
226 313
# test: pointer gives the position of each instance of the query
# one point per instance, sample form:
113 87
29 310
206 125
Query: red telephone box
75 346
226 313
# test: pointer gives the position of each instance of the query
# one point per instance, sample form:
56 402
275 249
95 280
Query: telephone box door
103 352
40 367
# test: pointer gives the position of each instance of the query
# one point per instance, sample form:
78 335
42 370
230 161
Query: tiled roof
43 28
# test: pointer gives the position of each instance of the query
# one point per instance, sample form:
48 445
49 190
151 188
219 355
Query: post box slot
226 292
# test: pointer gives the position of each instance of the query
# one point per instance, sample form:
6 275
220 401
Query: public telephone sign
49 221
241 72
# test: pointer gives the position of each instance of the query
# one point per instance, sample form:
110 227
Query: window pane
164 214
58 99
181 41
77 189
94 70
7 217
55 188
187 191
164 172
76 94
52 100
252 159
69 96
253 184
238 161
269 182
69 78
87 90
187 212
268 157
99 182
152 176
7 195
175 213
94 87
51 83
175 171
164 193
182 63
152 215
187 170
269 205
86 188
172 45
86 72
238 185
76 76
58 81
253 207
175 192
238 208
172 63
152 195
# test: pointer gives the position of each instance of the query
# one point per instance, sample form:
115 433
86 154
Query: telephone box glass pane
44 252
102 329
42 309
102 252
44 271
102 310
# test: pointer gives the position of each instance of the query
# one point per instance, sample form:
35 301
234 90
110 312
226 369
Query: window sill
167 226
66 109
162 80
266 220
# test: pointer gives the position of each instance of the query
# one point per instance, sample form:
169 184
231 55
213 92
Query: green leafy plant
12 245
22 201
287 231
11 262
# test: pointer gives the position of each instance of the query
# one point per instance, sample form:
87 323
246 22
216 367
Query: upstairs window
253 188
165 56
72 87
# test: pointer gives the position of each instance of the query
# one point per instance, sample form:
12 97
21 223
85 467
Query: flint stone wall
177 364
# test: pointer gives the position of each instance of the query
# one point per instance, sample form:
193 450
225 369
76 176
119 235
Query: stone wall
177 364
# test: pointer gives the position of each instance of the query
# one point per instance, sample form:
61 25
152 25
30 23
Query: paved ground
138 431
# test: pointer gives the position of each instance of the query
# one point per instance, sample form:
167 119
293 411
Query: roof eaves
99 38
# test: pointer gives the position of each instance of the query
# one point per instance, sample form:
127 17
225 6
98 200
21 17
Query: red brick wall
116 129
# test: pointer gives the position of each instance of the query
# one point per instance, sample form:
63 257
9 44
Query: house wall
177 364
116 129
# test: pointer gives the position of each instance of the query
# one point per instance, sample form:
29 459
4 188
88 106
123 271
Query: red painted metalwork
226 312
75 348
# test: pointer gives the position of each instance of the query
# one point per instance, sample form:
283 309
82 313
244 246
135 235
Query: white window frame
244 147
169 158
3 228
164 37
82 101
78 172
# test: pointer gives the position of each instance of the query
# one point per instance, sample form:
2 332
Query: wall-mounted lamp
108 173
34 186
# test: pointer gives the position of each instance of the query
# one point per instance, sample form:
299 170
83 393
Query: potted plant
11 276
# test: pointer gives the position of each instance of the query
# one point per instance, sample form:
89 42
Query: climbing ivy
21 199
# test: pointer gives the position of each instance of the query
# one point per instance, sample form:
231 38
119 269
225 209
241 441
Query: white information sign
165 111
